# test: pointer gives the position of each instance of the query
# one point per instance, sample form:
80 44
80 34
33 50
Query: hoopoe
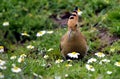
73 40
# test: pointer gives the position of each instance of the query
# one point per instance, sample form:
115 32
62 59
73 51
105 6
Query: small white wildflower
100 54
69 60
30 47
57 77
58 61
1 75
50 49
13 65
23 55
25 34
40 76
41 33
1 49
117 64
35 74
16 69
49 32
112 50
109 72
13 57
3 67
93 30
2 62
68 65
46 56
21 59
66 75
5 23
104 61
73 54
79 12
90 67
92 60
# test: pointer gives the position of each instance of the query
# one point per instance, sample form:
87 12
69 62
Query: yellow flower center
91 67
25 33
118 63
16 68
112 49
78 10
100 53
23 55
58 60
1 47
68 65
40 32
73 53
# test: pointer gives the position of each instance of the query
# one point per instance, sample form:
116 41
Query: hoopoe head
73 20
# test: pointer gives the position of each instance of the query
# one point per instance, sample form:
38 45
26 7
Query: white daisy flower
104 61
41 33
1 49
79 12
23 55
3 67
16 69
30 47
73 54
68 65
35 74
93 30
25 34
5 23
90 67
13 65
112 50
92 60
21 59
50 49
49 32
1 75
69 60
13 57
46 57
109 72
58 61
57 77
2 62
117 64
100 54
66 75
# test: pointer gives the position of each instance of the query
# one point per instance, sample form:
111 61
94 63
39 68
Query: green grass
34 16
48 69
